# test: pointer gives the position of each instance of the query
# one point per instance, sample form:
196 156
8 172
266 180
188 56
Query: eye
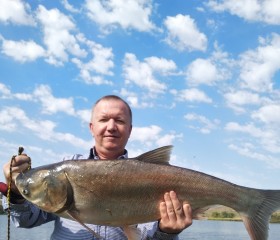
25 192
120 121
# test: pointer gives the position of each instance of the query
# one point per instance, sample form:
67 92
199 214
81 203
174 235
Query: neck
108 154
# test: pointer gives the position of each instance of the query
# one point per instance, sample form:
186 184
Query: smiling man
111 126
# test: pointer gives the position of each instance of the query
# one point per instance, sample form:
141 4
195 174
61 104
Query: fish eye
25 192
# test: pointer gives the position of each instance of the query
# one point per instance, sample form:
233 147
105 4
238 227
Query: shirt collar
93 154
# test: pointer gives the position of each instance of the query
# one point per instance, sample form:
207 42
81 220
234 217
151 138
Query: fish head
49 189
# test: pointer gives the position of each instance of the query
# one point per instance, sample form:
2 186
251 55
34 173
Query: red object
3 188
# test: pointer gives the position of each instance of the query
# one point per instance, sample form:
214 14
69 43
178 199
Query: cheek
98 130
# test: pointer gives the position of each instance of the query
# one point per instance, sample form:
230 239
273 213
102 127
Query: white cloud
259 66
69 7
51 104
212 70
7 94
133 100
191 95
100 64
252 10
202 124
15 118
183 34
143 73
249 151
57 29
15 11
84 115
238 99
202 71
161 65
269 114
22 51
151 135
5 91
126 14
266 136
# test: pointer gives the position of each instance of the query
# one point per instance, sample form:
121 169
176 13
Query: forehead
111 107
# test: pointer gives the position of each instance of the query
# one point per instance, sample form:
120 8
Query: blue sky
200 75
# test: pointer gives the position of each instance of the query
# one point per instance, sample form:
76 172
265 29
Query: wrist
168 231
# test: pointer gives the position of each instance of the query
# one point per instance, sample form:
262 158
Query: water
200 230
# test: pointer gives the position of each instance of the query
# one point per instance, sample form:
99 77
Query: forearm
27 215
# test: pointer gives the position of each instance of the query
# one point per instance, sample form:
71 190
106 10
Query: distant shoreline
221 213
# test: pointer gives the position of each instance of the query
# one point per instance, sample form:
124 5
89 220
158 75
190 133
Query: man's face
111 127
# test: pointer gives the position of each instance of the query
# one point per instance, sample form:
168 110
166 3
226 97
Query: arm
27 215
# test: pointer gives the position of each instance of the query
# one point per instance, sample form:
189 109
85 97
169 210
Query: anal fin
76 218
132 232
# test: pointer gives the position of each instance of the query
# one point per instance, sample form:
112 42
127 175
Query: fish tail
256 218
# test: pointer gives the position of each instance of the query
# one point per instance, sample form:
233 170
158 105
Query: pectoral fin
132 232
76 218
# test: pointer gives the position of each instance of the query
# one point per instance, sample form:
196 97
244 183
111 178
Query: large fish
126 192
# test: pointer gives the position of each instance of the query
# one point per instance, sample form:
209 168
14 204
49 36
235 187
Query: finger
21 159
163 211
20 168
188 213
176 204
169 207
15 170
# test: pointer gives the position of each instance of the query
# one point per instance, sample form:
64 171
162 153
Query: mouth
111 136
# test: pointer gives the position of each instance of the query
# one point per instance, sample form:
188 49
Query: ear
130 130
91 126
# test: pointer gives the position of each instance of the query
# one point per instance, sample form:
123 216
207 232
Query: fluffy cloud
201 123
126 14
15 118
100 64
69 7
248 150
269 114
42 94
15 11
202 71
251 10
183 34
7 94
22 51
51 104
191 95
57 28
259 66
144 73
134 100
238 99
266 136
152 135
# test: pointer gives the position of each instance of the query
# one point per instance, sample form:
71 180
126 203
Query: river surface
200 230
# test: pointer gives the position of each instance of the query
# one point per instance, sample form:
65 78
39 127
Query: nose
111 126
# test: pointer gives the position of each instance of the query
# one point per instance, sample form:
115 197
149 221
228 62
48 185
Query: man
111 125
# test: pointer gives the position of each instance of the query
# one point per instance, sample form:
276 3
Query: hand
175 217
20 164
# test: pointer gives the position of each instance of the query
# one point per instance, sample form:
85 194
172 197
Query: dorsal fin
158 156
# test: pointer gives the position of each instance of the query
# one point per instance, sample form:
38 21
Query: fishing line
20 151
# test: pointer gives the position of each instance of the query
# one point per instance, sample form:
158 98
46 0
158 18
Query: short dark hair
114 97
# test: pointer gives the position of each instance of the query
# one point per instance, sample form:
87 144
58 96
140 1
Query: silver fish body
125 192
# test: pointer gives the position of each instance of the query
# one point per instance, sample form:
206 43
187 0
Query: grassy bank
221 213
